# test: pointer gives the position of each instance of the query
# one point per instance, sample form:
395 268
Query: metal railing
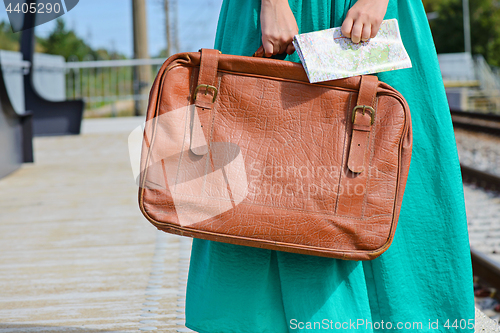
471 82
486 97
488 79
19 66
104 82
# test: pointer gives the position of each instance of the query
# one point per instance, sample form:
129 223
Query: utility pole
467 42
142 74
175 29
171 26
167 28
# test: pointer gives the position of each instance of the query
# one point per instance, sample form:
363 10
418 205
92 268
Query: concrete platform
76 253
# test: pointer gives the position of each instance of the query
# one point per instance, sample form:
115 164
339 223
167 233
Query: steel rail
486 268
478 122
483 266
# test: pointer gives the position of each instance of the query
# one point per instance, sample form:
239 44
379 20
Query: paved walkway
76 253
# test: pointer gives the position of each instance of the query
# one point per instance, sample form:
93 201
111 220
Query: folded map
328 55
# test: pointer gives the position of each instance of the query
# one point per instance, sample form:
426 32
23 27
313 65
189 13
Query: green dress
422 283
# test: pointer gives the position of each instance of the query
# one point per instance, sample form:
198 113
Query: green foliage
103 54
65 42
162 54
8 39
62 41
448 28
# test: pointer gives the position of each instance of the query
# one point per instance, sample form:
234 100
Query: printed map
328 55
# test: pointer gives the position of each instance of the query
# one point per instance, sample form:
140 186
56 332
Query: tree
62 41
8 39
448 29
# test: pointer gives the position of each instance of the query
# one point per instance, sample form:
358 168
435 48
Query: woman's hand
278 27
363 19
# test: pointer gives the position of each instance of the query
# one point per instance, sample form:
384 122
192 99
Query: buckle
207 87
364 107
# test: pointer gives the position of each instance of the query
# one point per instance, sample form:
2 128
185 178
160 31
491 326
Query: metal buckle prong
207 87
364 107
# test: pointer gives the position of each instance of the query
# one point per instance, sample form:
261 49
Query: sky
108 24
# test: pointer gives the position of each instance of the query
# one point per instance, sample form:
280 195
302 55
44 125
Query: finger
259 52
366 33
290 48
375 28
276 50
357 29
347 27
268 48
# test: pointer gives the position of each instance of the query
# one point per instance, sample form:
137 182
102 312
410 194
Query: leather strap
204 97
362 118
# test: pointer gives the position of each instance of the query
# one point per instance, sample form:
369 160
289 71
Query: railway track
484 268
479 122
482 123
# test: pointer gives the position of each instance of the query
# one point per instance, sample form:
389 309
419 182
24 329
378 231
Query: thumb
268 48
259 52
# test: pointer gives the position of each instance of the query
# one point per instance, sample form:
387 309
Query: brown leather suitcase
245 150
